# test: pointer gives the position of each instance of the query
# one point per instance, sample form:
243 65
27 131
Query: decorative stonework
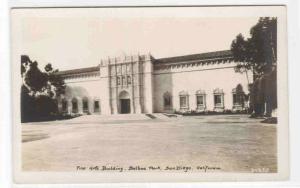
211 58
218 91
196 63
81 75
183 93
200 92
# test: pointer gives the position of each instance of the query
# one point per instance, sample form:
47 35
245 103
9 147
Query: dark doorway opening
74 105
96 106
125 106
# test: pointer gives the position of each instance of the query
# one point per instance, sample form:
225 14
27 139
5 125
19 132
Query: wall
150 81
175 79
80 87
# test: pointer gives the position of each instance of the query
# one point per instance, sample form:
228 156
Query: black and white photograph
112 94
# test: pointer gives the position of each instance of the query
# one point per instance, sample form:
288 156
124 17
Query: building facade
143 84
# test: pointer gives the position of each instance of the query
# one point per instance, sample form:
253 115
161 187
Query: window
219 98
183 100
200 99
167 100
74 105
118 81
238 99
128 80
64 105
238 96
85 105
96 106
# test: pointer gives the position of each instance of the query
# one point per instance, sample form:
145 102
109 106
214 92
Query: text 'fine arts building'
143 84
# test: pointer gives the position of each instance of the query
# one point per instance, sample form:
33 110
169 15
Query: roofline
201 56
78 71
175 59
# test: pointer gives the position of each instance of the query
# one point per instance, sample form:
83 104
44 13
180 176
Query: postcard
150 94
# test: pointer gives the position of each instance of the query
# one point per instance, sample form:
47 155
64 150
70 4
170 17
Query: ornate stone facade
143 84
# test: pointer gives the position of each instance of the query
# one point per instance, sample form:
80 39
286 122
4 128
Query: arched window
74 105
238 96
218 98
85 105
200 99
167 101
183 100
118 80
128 80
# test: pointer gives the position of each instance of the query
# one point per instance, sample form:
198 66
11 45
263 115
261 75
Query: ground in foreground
234 143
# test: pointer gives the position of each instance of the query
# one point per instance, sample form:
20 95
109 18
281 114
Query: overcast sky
79 38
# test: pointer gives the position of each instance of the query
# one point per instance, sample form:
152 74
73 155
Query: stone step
151 116
114 117
161 116
121 117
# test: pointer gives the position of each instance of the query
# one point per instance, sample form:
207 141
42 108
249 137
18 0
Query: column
69 106
80 106
132 103
91 105
104 88
148 85
115 97
137 97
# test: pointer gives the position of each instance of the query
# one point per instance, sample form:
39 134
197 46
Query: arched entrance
85 105
124 102
74 105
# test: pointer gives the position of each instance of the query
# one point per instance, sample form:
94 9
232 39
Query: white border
75 177
5 105
293 67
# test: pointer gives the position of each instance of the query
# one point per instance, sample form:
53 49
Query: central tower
128 81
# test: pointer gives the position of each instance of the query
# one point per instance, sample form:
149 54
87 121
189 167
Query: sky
77 38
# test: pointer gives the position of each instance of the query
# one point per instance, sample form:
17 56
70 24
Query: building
143 84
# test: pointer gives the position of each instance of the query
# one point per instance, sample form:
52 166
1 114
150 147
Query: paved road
233 143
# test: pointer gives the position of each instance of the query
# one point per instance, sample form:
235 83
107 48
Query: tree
33 78
56 85
259 55
39 90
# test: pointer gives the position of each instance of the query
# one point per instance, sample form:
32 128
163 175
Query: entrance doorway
124 103
125 106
